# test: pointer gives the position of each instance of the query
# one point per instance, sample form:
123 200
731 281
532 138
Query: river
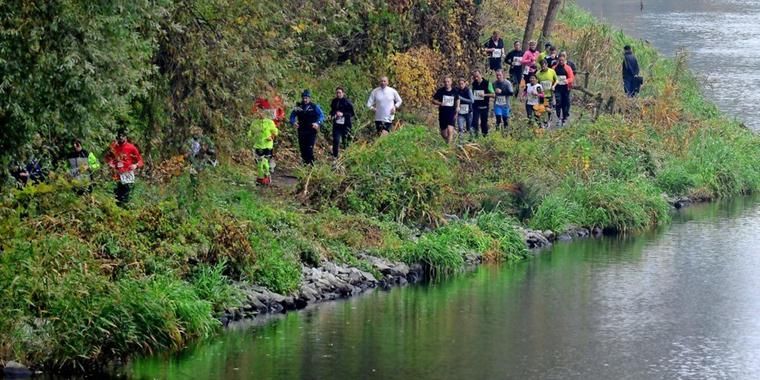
682 303
722 38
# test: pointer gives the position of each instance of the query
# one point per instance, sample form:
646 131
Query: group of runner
542 79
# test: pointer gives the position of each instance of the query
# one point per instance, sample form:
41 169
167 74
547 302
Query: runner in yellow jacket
262 134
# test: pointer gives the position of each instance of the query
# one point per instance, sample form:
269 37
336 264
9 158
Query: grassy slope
81 280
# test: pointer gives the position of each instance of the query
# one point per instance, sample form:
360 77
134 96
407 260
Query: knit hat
306 94
263 104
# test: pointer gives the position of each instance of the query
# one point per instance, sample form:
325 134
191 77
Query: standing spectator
384 101
124 159
307 117
503 89
342 115
482 91
447 100
514 59
199 151
464 114
565 80
631 79
495 49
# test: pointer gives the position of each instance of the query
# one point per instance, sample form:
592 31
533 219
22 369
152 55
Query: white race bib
448 101
464 109
479 94
127 177
340 120
516 61
562 80
546 84
526 70
501 101
496 53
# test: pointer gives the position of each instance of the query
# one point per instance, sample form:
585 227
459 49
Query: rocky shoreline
331 281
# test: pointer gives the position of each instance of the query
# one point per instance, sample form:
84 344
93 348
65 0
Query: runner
447 100
569 61
631 79
545 53
482 91
81 162
552 58
384 101
547 78
565 79
514 59
464 114
307 117
342 115
533 95
503 89
495 49
124 159
530 61
261 134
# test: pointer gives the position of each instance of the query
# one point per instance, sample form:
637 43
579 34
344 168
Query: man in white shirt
384 101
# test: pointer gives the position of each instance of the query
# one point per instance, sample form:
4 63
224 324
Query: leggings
340 134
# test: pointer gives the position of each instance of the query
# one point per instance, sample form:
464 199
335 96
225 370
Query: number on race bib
496 53
562 80
127 177
464 109
479 94
448 101
501 100
546 84
526 70
340 120
517 61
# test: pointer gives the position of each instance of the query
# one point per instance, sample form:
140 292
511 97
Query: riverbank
84 281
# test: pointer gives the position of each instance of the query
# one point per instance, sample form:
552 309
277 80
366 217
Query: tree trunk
530 26
551 16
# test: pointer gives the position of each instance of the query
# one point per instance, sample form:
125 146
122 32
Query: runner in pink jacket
530 61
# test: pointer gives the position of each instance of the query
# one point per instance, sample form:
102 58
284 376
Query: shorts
494 64
383 126
502 110
446 120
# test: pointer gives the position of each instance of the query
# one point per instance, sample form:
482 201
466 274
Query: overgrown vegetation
82 280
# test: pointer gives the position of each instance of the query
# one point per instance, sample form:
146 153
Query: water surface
722 38
681 303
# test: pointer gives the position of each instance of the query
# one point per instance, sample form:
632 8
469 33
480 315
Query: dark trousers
341 135
307 137
480 118
516 78
530 112
122 193
630 86
562 96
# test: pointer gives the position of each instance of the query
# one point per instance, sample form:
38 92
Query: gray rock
16 370
564 237
549 235
400 269
308 293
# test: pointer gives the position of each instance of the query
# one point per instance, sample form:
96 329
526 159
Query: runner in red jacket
124 159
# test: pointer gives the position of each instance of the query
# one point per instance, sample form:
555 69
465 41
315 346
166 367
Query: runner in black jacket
342 115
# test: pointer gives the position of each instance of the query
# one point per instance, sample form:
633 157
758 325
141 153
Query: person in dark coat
342 115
